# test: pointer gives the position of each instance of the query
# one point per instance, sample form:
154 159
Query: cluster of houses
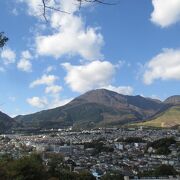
129 158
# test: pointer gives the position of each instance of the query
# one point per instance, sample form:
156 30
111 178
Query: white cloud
53 89
165 66
50 69
44 80
44 103
24 63
89 76
37 102
34 7
166 12
153 96
126 90
8 56
26 55
57 101
69 36
71 41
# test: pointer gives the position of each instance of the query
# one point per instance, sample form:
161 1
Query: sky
132 48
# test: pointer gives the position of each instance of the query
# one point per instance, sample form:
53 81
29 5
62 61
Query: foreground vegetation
32 168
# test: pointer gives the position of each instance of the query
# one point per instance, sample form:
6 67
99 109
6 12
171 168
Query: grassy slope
169 118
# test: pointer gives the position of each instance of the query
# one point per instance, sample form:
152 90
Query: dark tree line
162 145
163 170
33 168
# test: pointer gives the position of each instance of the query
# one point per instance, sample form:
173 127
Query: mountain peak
103 96
101 92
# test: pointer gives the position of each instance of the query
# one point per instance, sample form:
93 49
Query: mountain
173 100
170 117
94 109
167 116
6 122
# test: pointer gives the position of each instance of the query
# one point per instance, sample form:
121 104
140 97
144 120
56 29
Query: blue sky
131 48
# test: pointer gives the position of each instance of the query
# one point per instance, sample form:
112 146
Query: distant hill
6 122
170 117
173 100
94 109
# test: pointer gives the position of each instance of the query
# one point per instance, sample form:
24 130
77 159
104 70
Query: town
131 152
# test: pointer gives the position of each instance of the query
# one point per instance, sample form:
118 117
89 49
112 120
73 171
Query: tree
27 168
3 173
85 175
56 165
162 145
3 39
113 175
165 170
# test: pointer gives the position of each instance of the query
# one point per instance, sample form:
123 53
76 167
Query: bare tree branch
99 1
44 9
45 6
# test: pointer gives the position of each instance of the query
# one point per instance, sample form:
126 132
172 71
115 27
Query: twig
80 5
51 8
101 2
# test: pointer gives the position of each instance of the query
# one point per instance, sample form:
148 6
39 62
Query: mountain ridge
173 100
6 122
164 119
95 108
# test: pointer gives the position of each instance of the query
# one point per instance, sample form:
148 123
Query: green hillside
168 118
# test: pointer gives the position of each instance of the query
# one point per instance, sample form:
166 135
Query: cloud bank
166 12
164 66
